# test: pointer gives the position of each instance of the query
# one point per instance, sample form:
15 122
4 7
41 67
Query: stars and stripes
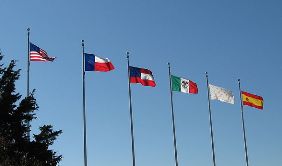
38 54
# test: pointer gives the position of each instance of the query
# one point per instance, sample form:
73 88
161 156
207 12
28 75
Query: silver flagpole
84 112
243 126
172 117
131 113
28 66
210 120
28 61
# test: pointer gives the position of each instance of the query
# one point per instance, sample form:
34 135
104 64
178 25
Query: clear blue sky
229 39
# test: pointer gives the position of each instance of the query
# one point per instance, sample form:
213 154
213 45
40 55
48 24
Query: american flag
38 54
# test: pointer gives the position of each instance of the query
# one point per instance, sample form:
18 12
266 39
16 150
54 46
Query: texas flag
94 63
142 76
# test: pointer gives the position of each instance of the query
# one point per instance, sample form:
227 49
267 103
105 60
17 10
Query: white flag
221 94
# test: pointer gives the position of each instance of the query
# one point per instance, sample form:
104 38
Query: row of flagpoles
91 62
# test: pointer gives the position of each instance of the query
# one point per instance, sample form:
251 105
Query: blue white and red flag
142 76
38 54
95 63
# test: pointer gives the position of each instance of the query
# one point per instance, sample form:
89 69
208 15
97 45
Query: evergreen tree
16 113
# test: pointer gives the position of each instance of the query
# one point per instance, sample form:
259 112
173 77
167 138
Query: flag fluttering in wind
38 54
183 85
221 94
142 76
252 100
95 63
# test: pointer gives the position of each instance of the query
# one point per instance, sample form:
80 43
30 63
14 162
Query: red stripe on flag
103 67
252 95
143 82
252 105
36 57
193 87
38 60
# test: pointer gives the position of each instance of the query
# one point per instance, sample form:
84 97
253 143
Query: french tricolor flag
94 63
142 76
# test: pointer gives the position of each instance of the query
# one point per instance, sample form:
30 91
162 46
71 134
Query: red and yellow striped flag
252 100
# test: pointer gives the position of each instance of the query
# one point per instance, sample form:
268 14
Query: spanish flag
252 100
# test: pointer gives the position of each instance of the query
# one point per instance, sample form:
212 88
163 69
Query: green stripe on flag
176 85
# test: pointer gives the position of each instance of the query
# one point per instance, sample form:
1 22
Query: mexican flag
183 85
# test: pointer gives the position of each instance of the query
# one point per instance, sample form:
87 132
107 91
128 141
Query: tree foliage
16 113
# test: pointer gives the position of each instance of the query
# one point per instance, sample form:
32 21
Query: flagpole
28 61
83 97
131 113
28 66
210 120
243 126
172 117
